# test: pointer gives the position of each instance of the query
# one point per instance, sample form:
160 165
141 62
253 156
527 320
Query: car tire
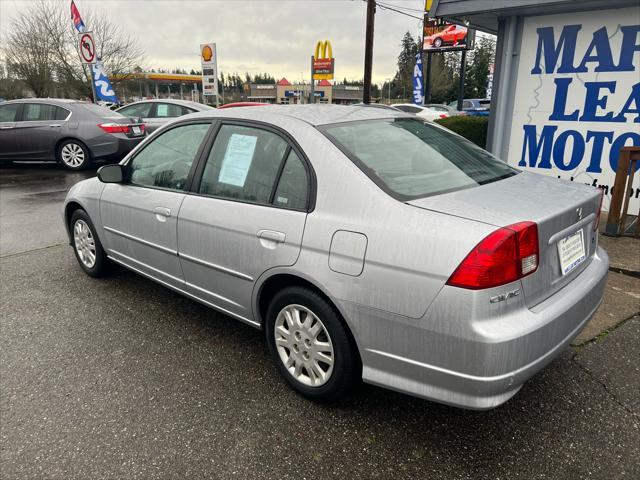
302 344
86 245
437 42
73 154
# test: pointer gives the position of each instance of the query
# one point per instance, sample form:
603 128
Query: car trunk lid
559 208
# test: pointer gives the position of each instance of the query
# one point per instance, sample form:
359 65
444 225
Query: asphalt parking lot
122 378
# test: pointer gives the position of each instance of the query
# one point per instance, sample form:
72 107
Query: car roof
312 114
184 103
54 101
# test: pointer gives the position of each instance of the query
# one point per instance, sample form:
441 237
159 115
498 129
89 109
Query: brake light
118 128
114 128
596 224
504 256
443 115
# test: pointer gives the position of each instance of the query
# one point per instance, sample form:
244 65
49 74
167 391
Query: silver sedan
155 113
365 243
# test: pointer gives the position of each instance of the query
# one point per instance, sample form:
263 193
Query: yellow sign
207 53
323 61
427 5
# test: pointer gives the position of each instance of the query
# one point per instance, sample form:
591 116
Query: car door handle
56 125
162 213
272 235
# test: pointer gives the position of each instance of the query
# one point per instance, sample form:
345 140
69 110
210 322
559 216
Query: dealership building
566 86
287 93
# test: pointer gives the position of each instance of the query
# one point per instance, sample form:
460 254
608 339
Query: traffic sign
87 47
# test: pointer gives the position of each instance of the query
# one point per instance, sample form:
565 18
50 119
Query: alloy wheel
304 345
72 155
84 243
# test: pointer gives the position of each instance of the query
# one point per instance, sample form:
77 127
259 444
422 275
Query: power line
384 6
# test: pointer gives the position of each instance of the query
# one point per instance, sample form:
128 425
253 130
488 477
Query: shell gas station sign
323 61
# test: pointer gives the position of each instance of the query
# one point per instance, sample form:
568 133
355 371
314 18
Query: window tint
139 110
413 159
8 112
167 110
243 164
165 162
293 185
42 112
467 104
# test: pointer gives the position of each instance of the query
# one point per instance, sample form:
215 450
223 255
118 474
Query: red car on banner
442 36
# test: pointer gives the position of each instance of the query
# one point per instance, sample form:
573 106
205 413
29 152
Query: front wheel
437 43
310 345
74 155
87 246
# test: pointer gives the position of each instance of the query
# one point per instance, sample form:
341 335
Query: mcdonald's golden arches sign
323 61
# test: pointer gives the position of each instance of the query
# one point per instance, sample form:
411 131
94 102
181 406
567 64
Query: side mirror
111 174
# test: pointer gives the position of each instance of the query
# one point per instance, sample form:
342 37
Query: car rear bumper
113 147
473 354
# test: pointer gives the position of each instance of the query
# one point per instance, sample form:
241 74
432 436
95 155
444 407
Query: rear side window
139 110
168 110
244 164
42 112
8 112
166 160
411 159
293 186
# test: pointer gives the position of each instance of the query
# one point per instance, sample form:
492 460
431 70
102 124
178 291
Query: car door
246 215
39 127
8 115
139 216
141 110
162 113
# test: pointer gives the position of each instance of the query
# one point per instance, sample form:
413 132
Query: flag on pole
104 90
77 19
418 90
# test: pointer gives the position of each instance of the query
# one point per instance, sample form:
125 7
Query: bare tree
42 48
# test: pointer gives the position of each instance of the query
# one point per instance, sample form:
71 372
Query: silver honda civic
365 243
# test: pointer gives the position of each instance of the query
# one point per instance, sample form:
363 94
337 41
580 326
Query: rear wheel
74 155
437 43
87 246
310 345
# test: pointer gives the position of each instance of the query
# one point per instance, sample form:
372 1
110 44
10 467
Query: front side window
244 164
165 162
411 159
8 112
139 110
34 112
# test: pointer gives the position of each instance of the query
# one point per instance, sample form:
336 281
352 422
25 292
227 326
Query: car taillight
443 115
597 222
504 256
114 128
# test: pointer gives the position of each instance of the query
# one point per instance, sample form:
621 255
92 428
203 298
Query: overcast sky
274 36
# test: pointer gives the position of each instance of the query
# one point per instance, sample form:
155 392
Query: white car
423 112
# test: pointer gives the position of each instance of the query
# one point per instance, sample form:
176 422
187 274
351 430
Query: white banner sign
577 98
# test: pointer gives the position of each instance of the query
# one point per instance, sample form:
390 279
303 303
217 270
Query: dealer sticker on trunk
571 252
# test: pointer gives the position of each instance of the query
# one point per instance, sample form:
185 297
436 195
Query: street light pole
368 50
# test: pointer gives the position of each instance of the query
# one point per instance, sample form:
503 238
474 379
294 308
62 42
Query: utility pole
368 50
312 95
427 83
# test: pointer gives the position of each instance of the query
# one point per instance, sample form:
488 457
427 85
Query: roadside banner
418 90
104 90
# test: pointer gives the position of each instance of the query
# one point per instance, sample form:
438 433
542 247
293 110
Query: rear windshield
101 111
409 159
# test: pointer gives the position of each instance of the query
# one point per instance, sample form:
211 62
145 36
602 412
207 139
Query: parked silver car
155 113
71 132
364 242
